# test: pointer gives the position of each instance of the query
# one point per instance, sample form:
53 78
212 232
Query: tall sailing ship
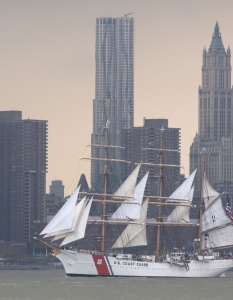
215 229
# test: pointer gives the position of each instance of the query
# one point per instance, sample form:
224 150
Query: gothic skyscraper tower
114 84
215 114
215 111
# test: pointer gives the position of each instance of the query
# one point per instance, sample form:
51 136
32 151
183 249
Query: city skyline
48 68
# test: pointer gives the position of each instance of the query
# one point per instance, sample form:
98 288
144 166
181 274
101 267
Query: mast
103 218
105 195
159 213
203 156
160 197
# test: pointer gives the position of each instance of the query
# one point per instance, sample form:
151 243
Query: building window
221 79
207 80
229 123
222 102
205 103
222 123
215 125
220 61
216 79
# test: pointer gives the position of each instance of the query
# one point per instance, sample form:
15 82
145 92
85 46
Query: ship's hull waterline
83 264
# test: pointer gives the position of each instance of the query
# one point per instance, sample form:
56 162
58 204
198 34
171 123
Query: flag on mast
108 124
229 212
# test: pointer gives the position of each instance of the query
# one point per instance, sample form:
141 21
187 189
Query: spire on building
216 43
204 51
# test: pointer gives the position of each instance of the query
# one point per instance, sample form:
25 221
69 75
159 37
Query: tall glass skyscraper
114 85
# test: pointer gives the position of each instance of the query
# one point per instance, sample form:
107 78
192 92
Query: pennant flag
108 123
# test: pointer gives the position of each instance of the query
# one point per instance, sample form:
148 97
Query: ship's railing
146 258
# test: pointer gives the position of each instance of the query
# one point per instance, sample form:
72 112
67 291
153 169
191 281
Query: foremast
104 202
103 225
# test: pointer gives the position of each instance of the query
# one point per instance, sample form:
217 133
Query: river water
54 285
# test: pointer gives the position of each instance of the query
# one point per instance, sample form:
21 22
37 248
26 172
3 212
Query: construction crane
126 15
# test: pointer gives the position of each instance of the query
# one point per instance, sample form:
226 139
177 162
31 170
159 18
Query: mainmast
160 197
159 212
203 157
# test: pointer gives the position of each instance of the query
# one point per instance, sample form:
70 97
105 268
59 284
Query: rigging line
180 233
78 172
203 202
112 183
90 225
129 241
111 167
208 224
223 238
213 211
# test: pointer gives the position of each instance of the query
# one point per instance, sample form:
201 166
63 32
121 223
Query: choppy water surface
53 285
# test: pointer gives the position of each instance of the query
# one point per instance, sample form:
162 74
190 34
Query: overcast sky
47 67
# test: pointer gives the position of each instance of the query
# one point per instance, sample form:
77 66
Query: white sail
182 192
128 186
209 194
181 213
80 227
214 215
216 224
65 210
218 238
134 234
77 212
186 211
132 211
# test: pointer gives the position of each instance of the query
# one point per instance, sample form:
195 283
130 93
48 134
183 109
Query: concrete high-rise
57 188
215 114
137 139
114 85
23 167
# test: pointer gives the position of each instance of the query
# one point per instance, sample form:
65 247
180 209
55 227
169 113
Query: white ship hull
84 264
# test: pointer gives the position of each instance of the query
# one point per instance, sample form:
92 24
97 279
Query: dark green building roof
216 43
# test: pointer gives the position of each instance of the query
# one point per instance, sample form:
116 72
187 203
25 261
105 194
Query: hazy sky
47 67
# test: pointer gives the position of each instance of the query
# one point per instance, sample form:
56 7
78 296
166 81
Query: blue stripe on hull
110 267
